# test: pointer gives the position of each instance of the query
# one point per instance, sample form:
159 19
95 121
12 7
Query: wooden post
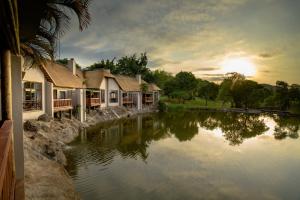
6 93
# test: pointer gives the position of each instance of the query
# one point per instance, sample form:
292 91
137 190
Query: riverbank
44 143
217 106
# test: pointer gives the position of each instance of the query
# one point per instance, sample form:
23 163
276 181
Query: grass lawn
192 104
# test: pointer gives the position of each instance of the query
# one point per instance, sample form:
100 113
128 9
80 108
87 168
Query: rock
31 126
44 118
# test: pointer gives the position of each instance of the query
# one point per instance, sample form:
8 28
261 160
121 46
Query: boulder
44 118
31 126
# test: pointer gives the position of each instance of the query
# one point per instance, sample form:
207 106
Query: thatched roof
131 84
153 87
61 76
128 84
93 79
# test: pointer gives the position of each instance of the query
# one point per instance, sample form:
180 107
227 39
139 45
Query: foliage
207 90
64 61
161 77
282 95
40 28
104 64
162 107
144 87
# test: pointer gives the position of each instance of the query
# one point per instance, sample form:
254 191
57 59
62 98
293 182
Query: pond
188 155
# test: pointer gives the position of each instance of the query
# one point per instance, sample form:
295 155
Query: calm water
189 156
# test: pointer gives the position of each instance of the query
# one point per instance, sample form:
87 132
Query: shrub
162 107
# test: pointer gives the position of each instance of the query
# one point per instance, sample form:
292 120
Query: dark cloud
207 68
266 55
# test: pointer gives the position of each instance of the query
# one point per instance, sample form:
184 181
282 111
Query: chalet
132 94
102 89
33 92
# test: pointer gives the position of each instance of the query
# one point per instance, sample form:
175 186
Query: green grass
192 104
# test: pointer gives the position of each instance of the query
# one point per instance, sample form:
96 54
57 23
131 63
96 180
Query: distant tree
186 81
294 92
227 86
282 95
161 77
104 64
133 65
225 92
207 90
169 87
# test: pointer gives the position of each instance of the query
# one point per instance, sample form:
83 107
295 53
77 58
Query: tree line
236 90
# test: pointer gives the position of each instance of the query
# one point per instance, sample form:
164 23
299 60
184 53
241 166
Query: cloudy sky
259 38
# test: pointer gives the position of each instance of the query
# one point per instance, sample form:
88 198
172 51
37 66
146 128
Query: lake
188 155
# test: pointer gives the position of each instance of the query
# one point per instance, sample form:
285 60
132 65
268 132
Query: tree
227 86
186 81
282 95
42 22
207 90
104 64
161 77
133 65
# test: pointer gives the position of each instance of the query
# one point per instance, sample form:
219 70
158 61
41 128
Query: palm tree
43 21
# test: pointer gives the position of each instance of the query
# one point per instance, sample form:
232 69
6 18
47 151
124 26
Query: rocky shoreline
44 142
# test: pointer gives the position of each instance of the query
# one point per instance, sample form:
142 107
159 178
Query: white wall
113 86
35 75
49 99
103 86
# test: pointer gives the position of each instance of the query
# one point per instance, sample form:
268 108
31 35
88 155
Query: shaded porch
93 99
129 99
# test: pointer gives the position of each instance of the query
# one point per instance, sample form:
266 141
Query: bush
162 107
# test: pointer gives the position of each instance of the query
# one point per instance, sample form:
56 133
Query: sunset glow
241 65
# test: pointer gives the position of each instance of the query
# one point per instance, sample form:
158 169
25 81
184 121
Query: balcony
62 104
91 102
127 100
7 175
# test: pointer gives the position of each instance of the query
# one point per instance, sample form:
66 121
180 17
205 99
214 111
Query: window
102 96
62 94
32 99
113 95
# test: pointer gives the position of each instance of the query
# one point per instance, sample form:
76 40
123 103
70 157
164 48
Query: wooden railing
93 101
127 100
62 103
7 173
32 105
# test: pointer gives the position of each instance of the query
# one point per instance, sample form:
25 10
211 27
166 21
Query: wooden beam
6 93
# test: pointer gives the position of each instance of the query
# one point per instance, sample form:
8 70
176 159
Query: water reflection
114 146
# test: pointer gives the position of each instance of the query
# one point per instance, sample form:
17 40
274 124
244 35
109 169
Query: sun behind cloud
240 65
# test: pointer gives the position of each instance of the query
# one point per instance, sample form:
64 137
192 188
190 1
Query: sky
259 38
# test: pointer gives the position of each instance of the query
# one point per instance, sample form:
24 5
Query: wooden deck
7 173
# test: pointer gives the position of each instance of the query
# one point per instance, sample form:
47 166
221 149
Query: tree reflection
236 127
131 138
286 127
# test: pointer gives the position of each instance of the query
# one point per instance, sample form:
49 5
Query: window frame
115 98
35 97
